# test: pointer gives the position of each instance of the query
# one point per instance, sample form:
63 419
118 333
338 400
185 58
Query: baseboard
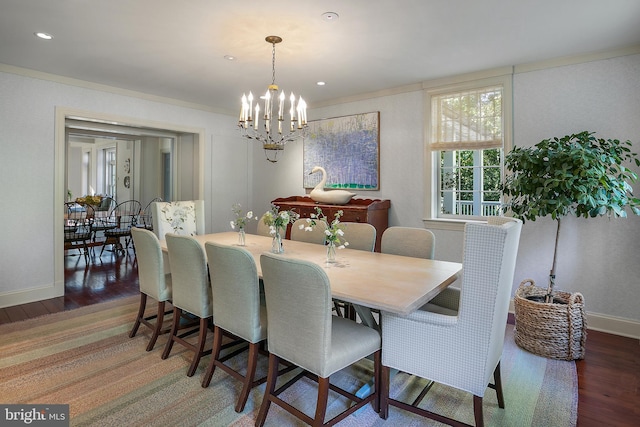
609 324
9 299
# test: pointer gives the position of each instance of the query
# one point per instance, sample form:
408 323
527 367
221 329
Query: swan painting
333 197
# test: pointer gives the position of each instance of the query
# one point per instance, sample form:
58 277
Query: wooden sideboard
373 211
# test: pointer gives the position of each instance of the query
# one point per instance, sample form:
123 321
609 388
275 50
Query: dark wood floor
608 378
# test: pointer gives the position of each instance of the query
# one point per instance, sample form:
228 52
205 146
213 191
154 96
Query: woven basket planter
554 330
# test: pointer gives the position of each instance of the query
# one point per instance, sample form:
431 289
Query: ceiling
176 49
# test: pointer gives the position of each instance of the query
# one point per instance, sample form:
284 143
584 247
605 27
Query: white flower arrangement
334 232
241 219
278 220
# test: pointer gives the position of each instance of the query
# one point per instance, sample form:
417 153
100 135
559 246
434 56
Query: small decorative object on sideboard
334 197
577 174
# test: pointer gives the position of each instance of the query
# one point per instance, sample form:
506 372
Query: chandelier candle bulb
255 125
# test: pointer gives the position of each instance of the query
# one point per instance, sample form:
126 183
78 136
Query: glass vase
241 237
276 243
331 252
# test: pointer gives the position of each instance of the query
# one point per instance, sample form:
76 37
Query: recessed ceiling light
330 16
230 57
44 36
320 83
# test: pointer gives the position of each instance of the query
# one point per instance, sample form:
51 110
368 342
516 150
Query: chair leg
272 375
141 308
215 354
252 363
177 313
158 327
497 381
384 391
202 336
377 378
477 411
321 405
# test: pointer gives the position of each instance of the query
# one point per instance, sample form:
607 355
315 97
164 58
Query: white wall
27 143
597 257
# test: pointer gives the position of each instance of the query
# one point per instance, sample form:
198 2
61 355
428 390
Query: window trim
502 76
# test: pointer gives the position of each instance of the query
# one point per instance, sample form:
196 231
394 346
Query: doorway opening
145 160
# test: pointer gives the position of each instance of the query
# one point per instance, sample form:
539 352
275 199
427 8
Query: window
467 137
110 172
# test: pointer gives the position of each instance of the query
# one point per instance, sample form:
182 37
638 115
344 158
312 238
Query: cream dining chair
408 241
191 294
360 235
316 235
303 332
154 283
459 346
404 241
237 310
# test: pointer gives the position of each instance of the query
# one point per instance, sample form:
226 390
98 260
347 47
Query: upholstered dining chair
191 294
458 346
408 241
316 235
263 229
154 283
185 218
360 235
237 310
302 331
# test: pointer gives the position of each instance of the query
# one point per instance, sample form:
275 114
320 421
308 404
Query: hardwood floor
608 377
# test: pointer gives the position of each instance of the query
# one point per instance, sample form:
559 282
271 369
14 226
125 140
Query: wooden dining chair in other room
146 215
300 233
120 221
154 283
460 348
78 227
191 293
237 310
303 332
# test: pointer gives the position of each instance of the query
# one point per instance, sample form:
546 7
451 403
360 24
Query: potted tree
577 174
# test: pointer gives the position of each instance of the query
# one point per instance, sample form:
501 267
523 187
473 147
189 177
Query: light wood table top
386 282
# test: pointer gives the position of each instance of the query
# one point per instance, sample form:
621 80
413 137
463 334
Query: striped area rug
84 358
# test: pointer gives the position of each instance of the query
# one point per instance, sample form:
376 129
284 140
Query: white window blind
467 120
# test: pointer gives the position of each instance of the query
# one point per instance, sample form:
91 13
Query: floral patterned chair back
185 218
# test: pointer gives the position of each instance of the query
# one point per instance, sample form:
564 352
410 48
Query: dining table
379 281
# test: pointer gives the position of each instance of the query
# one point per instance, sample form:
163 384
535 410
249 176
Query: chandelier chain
273 63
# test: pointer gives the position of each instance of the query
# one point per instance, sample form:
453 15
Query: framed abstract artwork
348 148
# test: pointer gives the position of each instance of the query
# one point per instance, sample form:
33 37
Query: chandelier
269 126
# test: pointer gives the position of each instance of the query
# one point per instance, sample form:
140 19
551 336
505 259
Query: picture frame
348 148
